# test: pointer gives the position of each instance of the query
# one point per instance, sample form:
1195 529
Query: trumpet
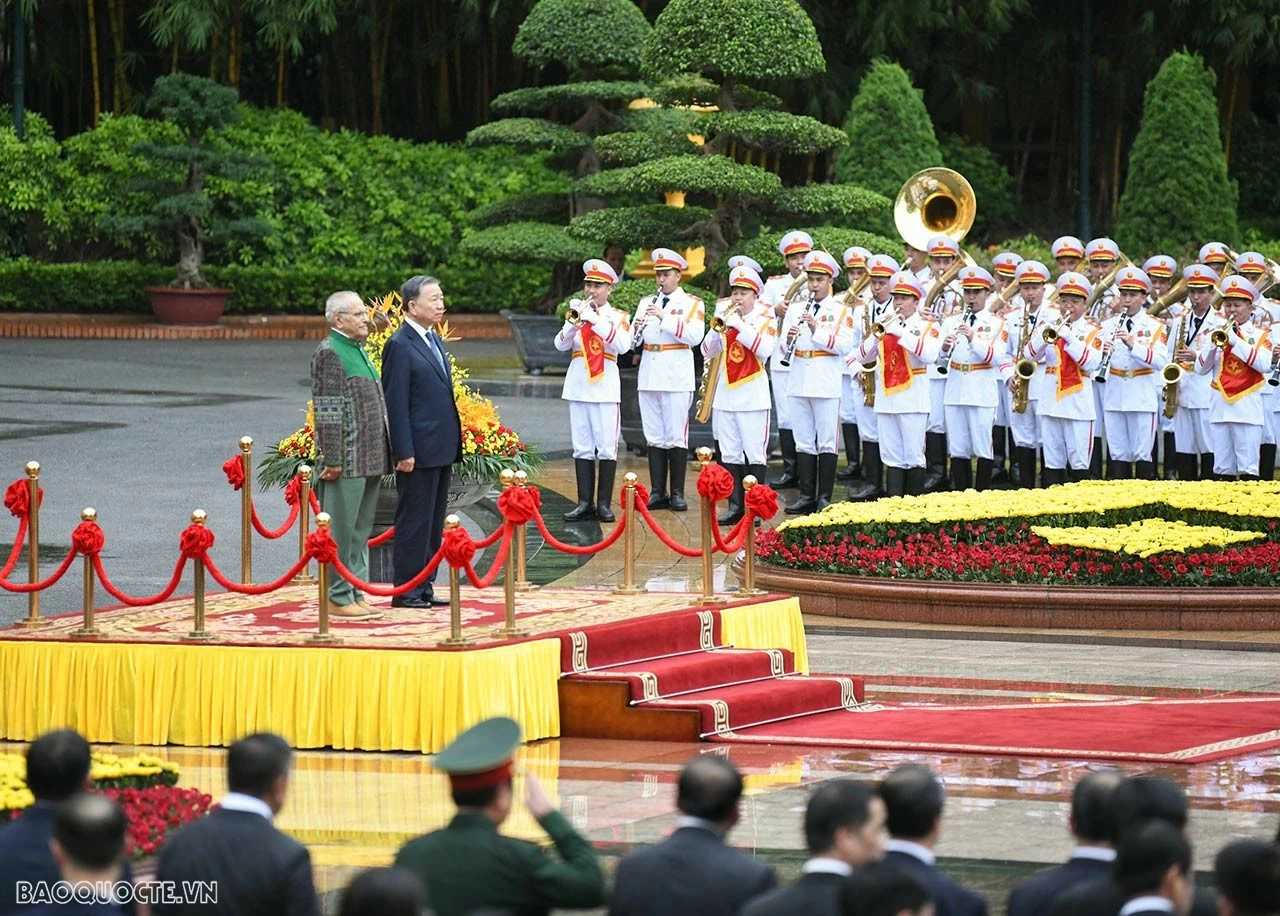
720 323
877 330
1221 337
1051 334
574 314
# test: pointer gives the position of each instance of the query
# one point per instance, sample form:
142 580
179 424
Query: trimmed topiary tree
1177 193
992 184
890 132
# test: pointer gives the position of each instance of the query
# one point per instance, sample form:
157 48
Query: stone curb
234 327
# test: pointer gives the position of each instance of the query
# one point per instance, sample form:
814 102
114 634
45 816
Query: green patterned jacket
351 416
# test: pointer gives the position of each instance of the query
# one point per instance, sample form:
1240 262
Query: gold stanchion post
709 595
522 556
246 511
33 546
322 585
628 586
509 628
198 634
748 589
304 576
455 598
88 630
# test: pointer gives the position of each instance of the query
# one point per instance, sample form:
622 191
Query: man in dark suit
258 870
844 827
881 889
1153 871
694 872
1091 860
1247 873
88 843
426 434
914 798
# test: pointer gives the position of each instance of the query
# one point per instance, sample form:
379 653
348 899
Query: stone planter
463 492
188 306
534 336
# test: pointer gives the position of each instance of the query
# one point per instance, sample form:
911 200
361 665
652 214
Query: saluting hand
536 798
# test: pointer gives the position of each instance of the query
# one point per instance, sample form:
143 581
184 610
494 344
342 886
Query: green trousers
351 503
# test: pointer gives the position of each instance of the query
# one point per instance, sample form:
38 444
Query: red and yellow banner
740 364
1070 378
1236 378
896 365
593 352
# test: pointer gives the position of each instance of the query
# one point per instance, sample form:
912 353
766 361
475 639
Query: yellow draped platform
344 698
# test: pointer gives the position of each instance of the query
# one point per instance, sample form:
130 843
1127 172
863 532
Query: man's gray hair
340 301
414 286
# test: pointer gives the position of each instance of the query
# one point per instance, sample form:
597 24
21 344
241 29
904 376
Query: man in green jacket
469 865
352 446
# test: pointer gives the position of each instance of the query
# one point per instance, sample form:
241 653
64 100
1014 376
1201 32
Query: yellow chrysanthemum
1145 538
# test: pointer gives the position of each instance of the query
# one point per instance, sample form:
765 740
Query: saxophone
1024 369
1172 373
868 374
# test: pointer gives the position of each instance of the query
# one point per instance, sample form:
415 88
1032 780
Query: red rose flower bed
153 813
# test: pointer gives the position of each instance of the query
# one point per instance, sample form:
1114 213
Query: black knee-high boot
604 490
872 472
826 478
1172 468
1206 466
895 481
585 469
1267 462
733 511
787 445
999 435
678 459
1144 470
961 473
935 459
807 501
1188 466
915 481
1026 458
658 498
1095 463
985 468
852 442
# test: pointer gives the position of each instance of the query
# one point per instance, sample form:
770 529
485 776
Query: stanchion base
451 642
86 633
200 636
30 623
715 599
630 590
304 579
510 632
323 638
749 592
526 587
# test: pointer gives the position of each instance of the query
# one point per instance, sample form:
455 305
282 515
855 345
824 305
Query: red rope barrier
234 469
272 533
715 483
10 563
315 503
519 505
17 497
383 538
498 561
388 591
26 587
243 589
736 538
643 508
579 551
139 602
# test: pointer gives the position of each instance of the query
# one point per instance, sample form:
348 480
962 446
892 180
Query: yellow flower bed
104 768
1146 537
1256 498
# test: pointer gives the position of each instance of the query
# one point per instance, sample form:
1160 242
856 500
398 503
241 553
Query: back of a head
1092 813
1145 798
709 788
1145 854
384 892
835 804
58 765
90 830
881 889
256 763
913 797
1247 873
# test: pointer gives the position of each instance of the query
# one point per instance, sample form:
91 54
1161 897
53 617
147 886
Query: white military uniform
740 411
882 313
973 382
594 415
1130 399
949 302
1236 423
817 368
1191 430
1067 417
665 381
903 415
1025 425
851 387
1269 308
775 291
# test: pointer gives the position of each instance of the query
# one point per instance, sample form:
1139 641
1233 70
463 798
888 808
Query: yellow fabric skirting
209 696
767 625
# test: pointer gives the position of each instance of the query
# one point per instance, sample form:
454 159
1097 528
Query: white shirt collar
1146 904
238 801
825 865
422 332
915 850
1097 853
686 820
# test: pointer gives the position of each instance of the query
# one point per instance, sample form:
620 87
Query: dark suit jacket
259 870
1103 898
25 856
816 894
691 873
1034 896
949 898
421 412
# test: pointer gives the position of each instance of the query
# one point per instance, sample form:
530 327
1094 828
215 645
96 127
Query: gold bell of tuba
936 201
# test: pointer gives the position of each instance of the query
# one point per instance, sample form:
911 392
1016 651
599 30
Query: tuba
1175 294
1106 282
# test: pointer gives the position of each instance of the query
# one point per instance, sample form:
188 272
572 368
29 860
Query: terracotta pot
188 306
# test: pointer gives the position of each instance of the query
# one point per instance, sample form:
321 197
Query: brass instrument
868 378
1024 369
1106 282
1001 300
1221 337
573 314
877 330
854 291
1051 334
1175 294
1172 373
934 201
1215 304
711 370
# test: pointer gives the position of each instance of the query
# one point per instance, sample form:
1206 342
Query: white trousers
937 413
815 422
743 435
1270 420
665 418
595 426
1067 443
1235 448
1002 406
1130 435
850 397
1025 426
902 439
969 431
1099 413
781 381
868 421
1191 430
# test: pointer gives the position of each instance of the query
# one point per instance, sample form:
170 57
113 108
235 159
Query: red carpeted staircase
671 677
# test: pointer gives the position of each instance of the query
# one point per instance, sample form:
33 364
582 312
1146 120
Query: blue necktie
435 348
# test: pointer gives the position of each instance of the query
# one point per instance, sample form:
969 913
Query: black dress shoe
437 601
678 504
415 603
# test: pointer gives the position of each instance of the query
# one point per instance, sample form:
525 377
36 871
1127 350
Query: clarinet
785 359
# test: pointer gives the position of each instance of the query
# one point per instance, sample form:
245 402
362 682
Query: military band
855 274
779 292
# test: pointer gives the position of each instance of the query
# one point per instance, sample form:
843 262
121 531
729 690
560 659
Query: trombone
1122 261
1162 303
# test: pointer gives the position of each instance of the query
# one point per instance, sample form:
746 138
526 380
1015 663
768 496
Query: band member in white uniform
1266 313
1101 254
740 407
1161 269
902 354
818 332
1068 253
855 272
1214 256
1066 401
778 293
1239 373
592 388
1021 324
1191 432
1134 348
1005 265
974 344
668 325
878 308
943 252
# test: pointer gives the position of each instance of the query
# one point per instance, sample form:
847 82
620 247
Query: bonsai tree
1177 190
199 108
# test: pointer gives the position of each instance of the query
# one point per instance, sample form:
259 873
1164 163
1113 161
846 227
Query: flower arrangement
1180 533
488 447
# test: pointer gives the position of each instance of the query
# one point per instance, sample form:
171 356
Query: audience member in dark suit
1247 873
1153 870
1090 823
844 826
913 798
426 435
882 889
88 843
384 892
58 766
1134 801
694 872
259 871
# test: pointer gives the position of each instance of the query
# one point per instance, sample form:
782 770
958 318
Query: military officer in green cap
469 864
